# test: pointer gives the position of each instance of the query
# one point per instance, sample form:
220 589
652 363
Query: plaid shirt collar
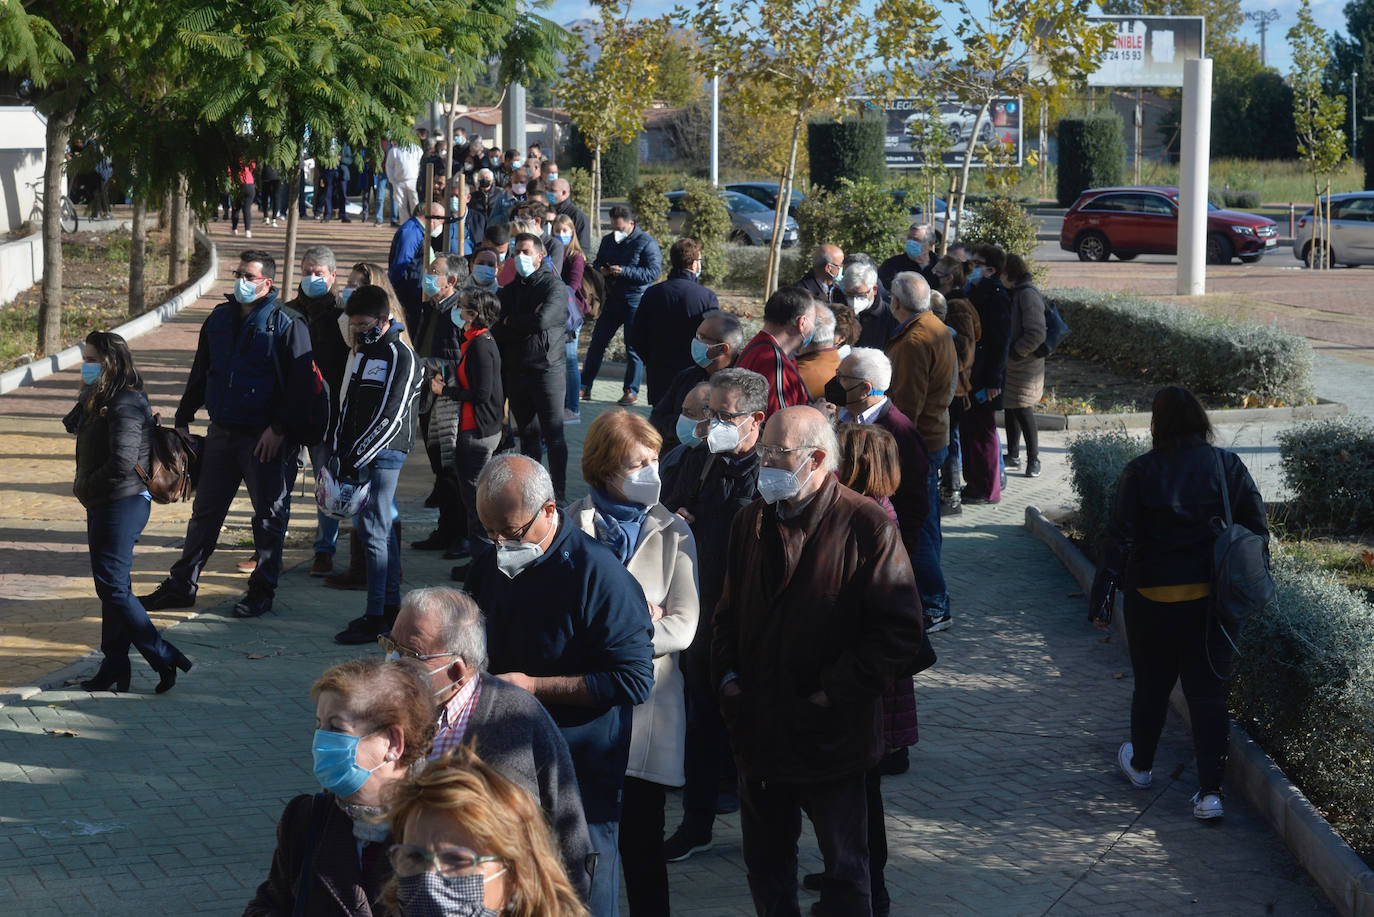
453 718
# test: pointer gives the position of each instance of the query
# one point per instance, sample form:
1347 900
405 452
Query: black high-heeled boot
104 680
167 677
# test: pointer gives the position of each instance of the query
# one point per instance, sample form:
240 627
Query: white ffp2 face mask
722 436
642 486
780 484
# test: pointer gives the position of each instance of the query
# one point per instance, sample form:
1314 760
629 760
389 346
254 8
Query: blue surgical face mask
810 335
336 762
565 238
687 430
430 284
314 286
553 198
976 276
344 294
245 290
914 249
454 204
525 265
516 163
484 274
456 316
700 353
90 372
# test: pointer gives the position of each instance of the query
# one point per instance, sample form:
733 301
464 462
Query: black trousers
228 460
536 404
1022 421
641 848
707 760
1172 641
770 817
472 456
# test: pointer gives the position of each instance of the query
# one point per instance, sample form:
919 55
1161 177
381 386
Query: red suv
1144 221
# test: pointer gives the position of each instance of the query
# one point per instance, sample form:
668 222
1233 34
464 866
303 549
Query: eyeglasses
773 453
725 416
518 535
241 275
389 645
709 342
409 860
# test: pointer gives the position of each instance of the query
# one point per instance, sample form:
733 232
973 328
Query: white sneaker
1206 807
571 417
1139 779
248 233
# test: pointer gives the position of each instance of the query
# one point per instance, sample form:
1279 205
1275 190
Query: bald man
819 614
827 272
563 205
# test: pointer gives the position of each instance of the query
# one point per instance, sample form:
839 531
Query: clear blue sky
1328 13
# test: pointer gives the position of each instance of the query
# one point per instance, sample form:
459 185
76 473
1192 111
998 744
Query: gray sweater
512 732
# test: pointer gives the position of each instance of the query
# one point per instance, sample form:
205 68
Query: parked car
751 221
1352 230
766 193
1144 221
958 123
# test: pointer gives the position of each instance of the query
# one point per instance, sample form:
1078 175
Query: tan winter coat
1025 383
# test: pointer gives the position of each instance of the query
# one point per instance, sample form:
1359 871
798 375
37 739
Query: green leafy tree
857 216
651 208
707 221
1224 18
930 142
1004 223
679 84
1353 50
606 96
1318 118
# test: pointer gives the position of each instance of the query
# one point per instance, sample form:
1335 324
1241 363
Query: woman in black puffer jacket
113 427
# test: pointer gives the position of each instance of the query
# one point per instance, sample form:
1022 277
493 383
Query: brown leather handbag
174 461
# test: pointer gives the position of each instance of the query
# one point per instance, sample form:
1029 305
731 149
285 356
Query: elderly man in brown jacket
923 368
819 613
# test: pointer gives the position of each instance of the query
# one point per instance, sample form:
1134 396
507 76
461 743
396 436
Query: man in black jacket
252 373
534 310
827 271
715 344
562 203
667 318
374 432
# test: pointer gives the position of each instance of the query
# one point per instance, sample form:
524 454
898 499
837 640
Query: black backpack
1241 584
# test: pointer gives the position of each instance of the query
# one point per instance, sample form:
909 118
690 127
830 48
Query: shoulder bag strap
1225 488
317 813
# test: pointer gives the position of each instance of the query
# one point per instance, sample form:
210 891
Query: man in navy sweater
630 260
566 622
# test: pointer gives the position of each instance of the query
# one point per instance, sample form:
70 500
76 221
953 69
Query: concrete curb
30 373
1141 420
1328 859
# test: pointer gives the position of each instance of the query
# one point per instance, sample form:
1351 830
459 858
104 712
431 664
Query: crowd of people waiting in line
736 608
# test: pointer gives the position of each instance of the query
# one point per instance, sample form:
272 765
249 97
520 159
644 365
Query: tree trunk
164 211
967 164
138 243
448 135
293 215
595 215
50 308
771 279
188 236
1327 234
176 247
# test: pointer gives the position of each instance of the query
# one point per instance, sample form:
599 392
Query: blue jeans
570 397
112 529
930 579
954 461
604 899
613 316
380 542
326 527
382 199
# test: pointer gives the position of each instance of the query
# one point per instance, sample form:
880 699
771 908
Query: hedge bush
1091 155
852 149
1240 200
707 221
1222 360
1303 687
1004 223
1328 466
1095 462
619 163
857 216
651 209
748 265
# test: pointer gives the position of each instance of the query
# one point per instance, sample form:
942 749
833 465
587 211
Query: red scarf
468 417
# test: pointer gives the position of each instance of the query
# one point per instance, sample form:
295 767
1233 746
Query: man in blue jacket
668 316
252 372
630 260
566 622
406 262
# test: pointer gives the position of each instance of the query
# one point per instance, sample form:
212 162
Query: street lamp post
1354 101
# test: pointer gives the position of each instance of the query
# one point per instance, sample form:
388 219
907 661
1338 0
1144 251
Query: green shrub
1222 360
707 221
619 163
1303 687
1214 198
1328 466
852 149
749 264
1240 200
1004 223
1096 460
579 187
856 216
651 208
1091 155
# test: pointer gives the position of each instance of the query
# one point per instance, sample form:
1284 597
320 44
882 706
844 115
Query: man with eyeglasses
566 623
715 344
445 630
714 481
668 316
823 282
253 372
819 614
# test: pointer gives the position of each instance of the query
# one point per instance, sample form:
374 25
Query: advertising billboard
906 117
1149 51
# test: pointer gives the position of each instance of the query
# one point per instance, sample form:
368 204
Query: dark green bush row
852 149
1220 359
1091 155
619 163
1240 200
1328 466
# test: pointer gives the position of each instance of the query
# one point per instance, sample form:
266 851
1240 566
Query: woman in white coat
620 465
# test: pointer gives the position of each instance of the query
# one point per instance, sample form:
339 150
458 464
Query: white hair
872 364
860 274
816 433
536 487
485 173
825 325
463 628
918 226
911 292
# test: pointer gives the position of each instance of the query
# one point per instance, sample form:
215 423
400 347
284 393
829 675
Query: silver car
751 222
1352 230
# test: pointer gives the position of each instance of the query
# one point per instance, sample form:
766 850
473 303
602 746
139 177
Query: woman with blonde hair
471 842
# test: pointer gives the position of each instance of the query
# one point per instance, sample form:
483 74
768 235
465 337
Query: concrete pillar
1196 131
513 119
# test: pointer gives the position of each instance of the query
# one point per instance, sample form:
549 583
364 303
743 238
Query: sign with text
906 119
1149 51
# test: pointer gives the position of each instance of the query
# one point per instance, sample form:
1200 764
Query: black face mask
835 392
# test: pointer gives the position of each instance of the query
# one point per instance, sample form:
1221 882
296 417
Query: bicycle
67 219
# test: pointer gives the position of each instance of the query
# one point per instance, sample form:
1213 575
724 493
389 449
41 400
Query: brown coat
923 368
1025 384
825 601
818 368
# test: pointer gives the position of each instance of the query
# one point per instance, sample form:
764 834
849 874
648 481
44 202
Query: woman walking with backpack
113 427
